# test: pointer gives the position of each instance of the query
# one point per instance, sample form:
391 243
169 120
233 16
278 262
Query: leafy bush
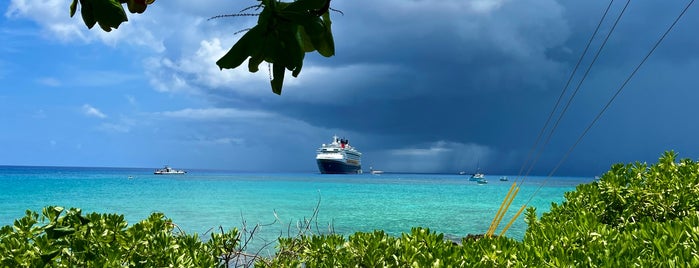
420 248
70 239
635 215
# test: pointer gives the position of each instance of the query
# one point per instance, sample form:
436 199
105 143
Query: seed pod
136 6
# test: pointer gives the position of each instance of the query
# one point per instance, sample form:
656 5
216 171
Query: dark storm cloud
426 82
459 75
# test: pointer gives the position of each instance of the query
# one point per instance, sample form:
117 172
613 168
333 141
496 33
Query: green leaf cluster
420 248
284 33
635 215
67 238
109 14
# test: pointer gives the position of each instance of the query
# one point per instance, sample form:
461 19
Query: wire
577 88
623 85
606 106
609 103
565 88
507 201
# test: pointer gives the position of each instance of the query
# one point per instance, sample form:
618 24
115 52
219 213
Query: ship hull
327 166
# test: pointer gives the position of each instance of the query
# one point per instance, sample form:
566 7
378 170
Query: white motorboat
478 175
169 171
374 171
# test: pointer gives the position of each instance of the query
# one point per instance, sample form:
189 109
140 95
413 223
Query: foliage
420 248
71 239
107 13
284 33
635 215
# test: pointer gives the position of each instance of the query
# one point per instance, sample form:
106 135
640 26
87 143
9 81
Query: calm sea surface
202 200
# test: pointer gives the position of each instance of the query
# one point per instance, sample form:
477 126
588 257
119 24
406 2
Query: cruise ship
339 157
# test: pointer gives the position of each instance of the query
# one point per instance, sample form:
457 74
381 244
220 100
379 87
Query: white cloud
484 6
53 17
215 114
198 70
400 7
49 81
123 125
111 127
93 112
220 141
101 78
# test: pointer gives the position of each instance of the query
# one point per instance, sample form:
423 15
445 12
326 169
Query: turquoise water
202 200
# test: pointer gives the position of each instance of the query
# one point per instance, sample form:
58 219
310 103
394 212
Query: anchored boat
339 157
478 176
169 171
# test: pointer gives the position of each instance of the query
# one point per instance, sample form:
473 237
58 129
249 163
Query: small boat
169 171
503 178
374 171
482 181
478 175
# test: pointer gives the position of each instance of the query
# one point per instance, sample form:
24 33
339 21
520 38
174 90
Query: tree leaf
242 49
109 13
73 7
278 79
87 13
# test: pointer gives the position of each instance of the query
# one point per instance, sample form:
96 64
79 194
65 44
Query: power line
507 202
609 103
623 85
577 88
565 88
514 189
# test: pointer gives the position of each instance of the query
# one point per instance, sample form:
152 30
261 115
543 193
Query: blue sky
417 86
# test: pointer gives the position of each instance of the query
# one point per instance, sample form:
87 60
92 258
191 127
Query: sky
416 86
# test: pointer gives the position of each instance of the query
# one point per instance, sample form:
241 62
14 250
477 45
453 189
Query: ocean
202 201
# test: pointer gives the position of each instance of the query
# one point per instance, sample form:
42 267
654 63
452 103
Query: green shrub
70 239
420 248
634 215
